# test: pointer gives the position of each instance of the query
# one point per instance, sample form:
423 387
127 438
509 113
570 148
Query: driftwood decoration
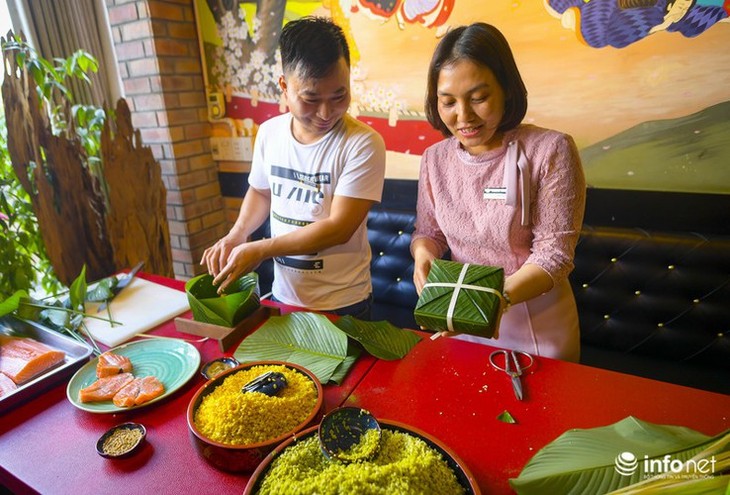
76 225
137 223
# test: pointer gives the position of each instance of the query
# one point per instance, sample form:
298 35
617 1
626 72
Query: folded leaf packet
239 300
461 298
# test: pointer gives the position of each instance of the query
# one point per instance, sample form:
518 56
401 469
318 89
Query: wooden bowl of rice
234 431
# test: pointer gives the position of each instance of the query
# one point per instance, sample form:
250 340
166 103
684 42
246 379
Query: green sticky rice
363 449
404 465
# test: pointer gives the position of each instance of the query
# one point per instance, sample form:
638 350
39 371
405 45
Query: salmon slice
110 364
105 388
23 358
139 391
7 386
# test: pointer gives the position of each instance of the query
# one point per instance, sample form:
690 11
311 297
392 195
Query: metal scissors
123 282
512 367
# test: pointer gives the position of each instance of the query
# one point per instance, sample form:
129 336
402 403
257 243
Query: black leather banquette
652 301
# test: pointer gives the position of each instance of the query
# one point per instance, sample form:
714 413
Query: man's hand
216 256
242 259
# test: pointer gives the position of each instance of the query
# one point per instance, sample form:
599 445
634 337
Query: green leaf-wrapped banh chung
477 289
239 300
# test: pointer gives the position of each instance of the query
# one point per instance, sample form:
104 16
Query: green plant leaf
353 352
11 303
380 338
103 289
584 460
77 292
307 339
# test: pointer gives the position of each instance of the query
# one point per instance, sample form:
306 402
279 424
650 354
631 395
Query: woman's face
471 104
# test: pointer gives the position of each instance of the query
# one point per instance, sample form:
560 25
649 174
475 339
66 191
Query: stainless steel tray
76 355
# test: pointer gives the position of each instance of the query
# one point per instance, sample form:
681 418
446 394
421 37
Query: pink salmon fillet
110 364
7 386
23 358
105 388
139 391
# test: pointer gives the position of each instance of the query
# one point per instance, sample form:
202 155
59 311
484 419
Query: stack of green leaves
65 312
326 349
239 300
476 311
618 459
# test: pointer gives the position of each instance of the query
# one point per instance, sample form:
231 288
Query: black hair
483 44
311 46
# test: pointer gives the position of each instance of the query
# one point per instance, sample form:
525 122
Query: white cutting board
142 305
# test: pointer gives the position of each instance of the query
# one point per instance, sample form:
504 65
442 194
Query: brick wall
159 61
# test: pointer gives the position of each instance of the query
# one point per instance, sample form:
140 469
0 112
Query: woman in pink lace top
501 193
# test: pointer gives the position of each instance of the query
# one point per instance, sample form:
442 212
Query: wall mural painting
642 85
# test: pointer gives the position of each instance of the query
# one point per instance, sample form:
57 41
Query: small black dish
126 439
215 367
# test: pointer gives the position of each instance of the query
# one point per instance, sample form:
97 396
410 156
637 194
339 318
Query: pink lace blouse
462 202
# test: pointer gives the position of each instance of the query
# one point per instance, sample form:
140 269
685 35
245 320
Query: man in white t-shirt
316 172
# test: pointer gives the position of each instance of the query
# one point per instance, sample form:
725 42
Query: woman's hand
424 252
421 267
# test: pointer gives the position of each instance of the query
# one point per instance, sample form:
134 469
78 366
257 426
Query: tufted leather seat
647 298
391 266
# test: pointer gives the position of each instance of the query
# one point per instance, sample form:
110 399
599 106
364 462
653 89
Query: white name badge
495 193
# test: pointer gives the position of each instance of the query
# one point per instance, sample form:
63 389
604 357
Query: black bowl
463 475
131 449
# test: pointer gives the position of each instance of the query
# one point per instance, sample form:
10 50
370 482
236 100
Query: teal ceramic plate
173 362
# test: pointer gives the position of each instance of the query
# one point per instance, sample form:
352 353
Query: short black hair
485 45
311 46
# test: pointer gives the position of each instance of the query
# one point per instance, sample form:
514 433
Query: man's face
317 104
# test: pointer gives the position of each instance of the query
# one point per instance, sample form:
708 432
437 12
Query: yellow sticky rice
404 465
232 417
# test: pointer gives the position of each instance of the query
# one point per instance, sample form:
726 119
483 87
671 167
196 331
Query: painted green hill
688 154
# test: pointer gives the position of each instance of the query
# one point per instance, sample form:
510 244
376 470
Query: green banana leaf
353 352
239 300
307 339
380 338
476 312
587 460
12 303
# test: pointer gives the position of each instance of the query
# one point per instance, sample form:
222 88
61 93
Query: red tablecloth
444 387
48 446
447 388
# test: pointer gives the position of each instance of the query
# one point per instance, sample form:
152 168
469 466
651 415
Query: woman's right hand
423 251
421 267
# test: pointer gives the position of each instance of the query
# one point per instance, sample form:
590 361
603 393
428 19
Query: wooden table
443 387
